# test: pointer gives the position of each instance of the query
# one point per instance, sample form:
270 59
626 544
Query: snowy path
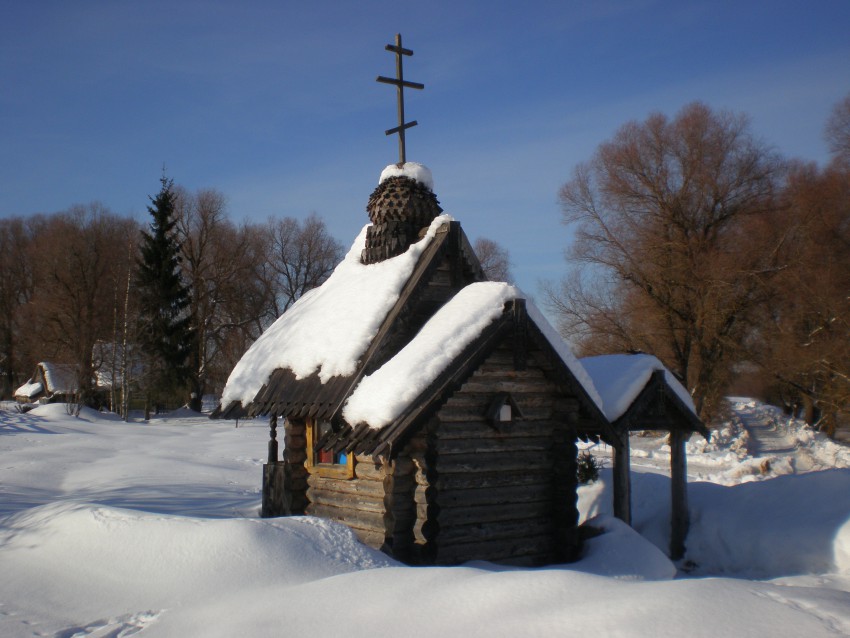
768 437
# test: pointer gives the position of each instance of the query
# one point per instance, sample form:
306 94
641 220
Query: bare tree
669 216
806 345
80 260
495 259
302 255
837 132
16 289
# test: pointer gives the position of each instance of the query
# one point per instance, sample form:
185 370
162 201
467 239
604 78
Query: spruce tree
165 332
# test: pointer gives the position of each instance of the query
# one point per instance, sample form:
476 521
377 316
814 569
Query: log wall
507 496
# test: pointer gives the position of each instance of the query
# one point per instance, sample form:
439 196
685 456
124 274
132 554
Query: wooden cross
400 83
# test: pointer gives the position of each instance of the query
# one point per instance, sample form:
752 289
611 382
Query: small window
503 411
326 463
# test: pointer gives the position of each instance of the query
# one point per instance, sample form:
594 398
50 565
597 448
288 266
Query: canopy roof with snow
400 321
49 380
639 392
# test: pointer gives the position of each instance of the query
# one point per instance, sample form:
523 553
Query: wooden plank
373 521
492 445
369 489
474 430
504 461
497 478
622 481
680 519
469 415
495 550
369 537
507 385
349 502
498 530
487 513
505 496
368 470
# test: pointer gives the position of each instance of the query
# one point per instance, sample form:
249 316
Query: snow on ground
114 529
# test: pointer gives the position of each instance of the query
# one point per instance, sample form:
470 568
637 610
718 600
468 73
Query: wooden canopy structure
660 404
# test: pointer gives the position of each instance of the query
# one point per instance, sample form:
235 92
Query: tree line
165 310
698 243
158 313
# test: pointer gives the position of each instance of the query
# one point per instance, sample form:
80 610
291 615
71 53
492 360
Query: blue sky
276 105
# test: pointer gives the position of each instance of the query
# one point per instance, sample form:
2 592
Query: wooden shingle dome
401 209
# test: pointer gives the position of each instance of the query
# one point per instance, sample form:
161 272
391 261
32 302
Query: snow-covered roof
620 378
29 389
330 328
413 170
381 397
60 378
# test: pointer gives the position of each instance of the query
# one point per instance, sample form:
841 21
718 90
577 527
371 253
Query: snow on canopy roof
382 397
328 329
620 378
29 389
413 170
60 378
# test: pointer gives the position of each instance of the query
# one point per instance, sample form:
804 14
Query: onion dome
401 209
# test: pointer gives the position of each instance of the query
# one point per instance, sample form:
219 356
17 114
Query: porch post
274 478
680 518
622 480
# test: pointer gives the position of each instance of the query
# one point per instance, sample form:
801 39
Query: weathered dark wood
273 456
497 530
622 480
362 488
680 520
495 444
495 550
505 495
489 513
492 479
505 461
359 502
373 521
275 502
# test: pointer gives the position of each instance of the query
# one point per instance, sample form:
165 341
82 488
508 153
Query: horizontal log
368 469
450 429
528 398
503 364
371 521
517 386
505 496
449 516
494 462
493 444
296 441
295 456
464 480
495 550
346 501
372 489
500 530
369 537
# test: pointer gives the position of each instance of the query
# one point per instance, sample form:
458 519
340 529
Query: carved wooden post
622 480
680 519
274 478
273 439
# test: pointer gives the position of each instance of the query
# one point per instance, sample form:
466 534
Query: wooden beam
680 519
622 480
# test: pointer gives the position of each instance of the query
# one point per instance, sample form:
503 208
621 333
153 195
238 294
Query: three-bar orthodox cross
400 83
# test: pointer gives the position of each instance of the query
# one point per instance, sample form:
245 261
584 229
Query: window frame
325 470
